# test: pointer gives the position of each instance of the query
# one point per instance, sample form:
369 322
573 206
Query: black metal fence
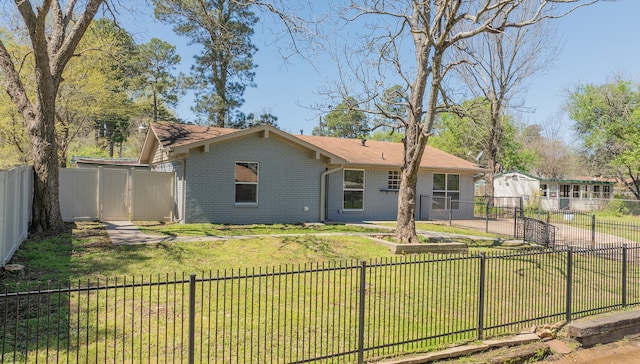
553 228
332 312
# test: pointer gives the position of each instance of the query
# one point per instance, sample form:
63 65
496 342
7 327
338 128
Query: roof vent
364 141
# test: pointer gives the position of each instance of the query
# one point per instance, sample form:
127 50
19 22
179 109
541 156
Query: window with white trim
393 181
353 189
596 191
544 190
246 180
446 191
606 191
576 191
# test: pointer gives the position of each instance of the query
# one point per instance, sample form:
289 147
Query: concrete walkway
126 233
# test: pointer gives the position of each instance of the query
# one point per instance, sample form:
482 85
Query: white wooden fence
16 193
116 194
85 194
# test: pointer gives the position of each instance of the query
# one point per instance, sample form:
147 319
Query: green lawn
314 309
176 229
87 253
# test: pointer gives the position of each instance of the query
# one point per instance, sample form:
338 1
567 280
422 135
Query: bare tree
499 63
555 159
414 42
54 30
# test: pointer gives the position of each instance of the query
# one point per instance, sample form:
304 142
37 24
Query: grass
442 228
176 229
87 253
291 315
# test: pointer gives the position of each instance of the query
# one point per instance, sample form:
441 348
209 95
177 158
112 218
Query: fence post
569 302
363 292
486 216
481 296
624 275
192 317
593 231
515 222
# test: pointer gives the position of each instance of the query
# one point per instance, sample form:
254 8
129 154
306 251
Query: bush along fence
332 312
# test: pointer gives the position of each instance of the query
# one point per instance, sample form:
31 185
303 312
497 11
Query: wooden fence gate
116 194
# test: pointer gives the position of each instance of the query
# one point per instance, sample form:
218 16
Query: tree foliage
53 33
224 68
473 135
157 59
97 89
243 121
607 122
344 121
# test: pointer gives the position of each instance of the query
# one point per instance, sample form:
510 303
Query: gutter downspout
183 198
323 187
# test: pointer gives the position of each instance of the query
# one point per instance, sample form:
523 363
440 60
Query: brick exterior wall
289 181
383 205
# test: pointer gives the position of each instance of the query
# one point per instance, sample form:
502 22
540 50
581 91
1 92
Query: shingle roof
175 135
373 153
378 153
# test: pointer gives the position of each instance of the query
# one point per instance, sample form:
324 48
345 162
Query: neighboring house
265 175
121 163
576 193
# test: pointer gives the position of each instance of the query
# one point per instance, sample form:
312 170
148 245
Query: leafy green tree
607 122
475 137
53 30
157 59
98 84
225 67
345 121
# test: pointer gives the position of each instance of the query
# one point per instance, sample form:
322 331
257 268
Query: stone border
437 248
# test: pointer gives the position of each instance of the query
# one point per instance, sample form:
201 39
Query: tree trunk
406 220
46 215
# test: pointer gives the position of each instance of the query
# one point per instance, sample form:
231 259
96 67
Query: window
543 190
565 190
596 192
606 191
353 189
393 182
246 179
446 191
576 191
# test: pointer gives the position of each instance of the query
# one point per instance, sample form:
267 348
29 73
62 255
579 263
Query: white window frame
351 189
447 192
393 180
236 183
544 190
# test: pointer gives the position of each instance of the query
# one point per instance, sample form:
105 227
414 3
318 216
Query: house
120 163
265 175
576 193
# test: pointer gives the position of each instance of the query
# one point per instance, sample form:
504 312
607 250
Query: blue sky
597 42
